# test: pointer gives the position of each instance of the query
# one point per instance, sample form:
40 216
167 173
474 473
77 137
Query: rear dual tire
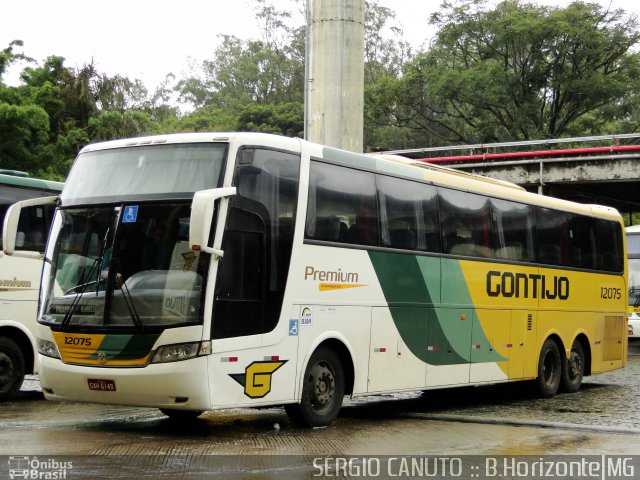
556 371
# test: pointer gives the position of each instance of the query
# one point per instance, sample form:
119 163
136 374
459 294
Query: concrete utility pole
334 83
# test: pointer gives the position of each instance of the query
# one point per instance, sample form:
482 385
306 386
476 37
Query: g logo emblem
256 378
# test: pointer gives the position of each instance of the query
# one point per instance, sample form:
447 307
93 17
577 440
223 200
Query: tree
111 124
258 81
24 133
384 61
263 71
57 110
518 71
8 57
283 119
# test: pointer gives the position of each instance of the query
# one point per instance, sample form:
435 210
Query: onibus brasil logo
256 378
34 468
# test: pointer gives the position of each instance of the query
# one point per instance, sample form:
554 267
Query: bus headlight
181 351
47 348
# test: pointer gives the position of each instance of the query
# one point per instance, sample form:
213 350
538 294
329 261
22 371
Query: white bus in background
20 274
633 251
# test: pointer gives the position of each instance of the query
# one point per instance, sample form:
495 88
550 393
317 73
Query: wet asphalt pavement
601 419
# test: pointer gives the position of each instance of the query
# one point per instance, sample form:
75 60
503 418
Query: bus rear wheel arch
323 390
549 369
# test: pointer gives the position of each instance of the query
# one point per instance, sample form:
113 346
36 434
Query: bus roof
440 168
375 162
21 181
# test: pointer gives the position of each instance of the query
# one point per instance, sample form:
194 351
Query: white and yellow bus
201 271
20 275
633 253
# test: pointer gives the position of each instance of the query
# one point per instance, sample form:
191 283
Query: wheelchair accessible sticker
293 328
130 214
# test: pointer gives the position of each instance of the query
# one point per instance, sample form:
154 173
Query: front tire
322 391
549 369
12 368
573 368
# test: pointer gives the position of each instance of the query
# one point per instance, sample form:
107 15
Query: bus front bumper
179 385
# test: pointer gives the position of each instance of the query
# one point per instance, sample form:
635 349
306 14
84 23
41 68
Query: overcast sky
147 39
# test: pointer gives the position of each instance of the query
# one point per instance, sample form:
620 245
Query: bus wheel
11 368
549 369
322 391
182 415
573 368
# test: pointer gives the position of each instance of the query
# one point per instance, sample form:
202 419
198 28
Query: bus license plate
102 385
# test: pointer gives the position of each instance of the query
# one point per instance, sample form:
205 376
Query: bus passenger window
582 242
409 218
610 249
553 236
342 205
466 227
513 230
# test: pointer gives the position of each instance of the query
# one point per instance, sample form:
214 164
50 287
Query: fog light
181 351
47 348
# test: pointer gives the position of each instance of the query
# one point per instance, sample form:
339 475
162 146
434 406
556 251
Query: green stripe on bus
126 347
411 286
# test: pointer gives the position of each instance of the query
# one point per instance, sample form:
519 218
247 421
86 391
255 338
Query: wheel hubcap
324 385
575 365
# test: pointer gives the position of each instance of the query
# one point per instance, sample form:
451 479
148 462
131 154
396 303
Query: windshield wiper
101 258
128 301
76 299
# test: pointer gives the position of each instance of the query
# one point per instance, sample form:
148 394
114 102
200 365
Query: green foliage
7 56
207 119
111 125
518 71
24 133
55 111
284 119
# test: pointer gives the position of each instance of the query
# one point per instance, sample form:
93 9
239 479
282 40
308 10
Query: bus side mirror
11 236
202 210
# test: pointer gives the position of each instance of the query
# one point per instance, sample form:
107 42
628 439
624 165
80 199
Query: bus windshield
118 255
634 282
633 251
118 266
175 170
